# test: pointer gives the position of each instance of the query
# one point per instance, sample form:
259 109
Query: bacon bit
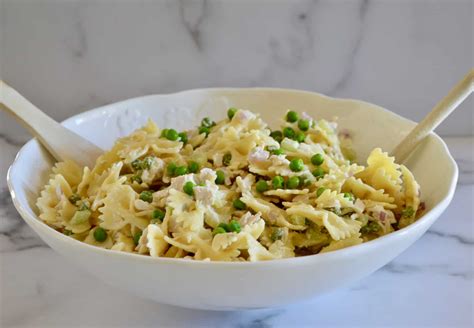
382 216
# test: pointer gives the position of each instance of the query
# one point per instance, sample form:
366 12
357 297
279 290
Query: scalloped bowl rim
349 251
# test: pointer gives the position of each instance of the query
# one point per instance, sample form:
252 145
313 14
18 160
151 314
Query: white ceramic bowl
221 285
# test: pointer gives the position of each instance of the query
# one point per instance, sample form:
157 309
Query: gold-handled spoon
62 143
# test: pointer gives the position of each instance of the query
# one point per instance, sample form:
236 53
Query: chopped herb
74 198
226 159
277 233
371 227
408 212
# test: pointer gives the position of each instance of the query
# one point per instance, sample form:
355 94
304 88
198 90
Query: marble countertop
431 284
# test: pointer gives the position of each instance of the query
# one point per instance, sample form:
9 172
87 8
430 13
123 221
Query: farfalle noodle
231 191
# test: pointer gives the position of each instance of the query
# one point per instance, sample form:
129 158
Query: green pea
193 167
220 177
320 191
163 133
293 183
136 164
261 186
100 235
303 125
349 196
180 170
370 227
136 178
218 230
74 198
158 215
83 206
231 112
234 226
277 234
204 129
296 165
207 122
136 237
278 182
226 159
183 137
317 159
278 152
289 132
172 135
171 168
277 135
146 196
318 173
275 150
224 226
300 136
292 116
239 205
189 188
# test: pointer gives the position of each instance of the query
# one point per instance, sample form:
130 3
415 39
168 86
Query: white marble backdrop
70 56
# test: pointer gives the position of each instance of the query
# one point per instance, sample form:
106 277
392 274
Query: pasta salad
231 190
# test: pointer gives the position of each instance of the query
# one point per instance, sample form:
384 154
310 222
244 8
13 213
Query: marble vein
350 64
458 238
444 269
192 15
10 140
15 235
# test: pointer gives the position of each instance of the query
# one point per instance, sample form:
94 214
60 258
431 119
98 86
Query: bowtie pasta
231 191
